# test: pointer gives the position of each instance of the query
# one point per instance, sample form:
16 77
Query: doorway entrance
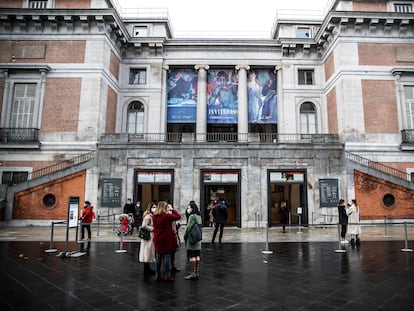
221 186
153 185
287 187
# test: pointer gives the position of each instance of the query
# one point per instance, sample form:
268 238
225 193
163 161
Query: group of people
162 221
349 217
135 210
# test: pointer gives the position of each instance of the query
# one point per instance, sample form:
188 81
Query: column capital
201 66
238 67
277 68
166 67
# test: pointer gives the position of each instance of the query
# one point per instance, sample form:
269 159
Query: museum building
104 103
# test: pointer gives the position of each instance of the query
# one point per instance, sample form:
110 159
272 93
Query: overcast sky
221 17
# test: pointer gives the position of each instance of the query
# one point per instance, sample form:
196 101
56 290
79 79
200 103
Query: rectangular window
409 106
24 98
305 76
10 178
403 7
140 31
138 76
33 4
304 32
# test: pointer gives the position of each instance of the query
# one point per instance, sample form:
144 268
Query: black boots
147 269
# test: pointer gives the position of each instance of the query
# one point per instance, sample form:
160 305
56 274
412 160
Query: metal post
267 251
385 227
406 249
51 249
300 223
97 230
340 249
121 250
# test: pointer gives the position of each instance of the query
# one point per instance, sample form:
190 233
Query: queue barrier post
406 249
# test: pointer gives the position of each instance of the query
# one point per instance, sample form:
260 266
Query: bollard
300 223
51 249
406 249
121 250
97 230
340 248
385 227
267 251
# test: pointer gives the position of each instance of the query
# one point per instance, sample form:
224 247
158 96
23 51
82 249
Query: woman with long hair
147 250
193 250
164 239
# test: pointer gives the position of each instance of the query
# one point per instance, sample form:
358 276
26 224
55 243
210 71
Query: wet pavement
305 271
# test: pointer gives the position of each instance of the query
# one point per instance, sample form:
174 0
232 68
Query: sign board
328 192
111 192
299 211
73 212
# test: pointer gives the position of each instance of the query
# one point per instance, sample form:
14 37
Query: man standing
220 217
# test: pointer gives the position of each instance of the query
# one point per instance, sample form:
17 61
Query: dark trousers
221 227
163 260
88 228
343 230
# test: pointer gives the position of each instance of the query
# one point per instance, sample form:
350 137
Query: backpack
195 234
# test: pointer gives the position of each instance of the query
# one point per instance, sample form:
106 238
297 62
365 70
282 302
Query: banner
262 96
222 103
182 96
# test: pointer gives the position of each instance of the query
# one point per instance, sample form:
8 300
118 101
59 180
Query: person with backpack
193 249
220 217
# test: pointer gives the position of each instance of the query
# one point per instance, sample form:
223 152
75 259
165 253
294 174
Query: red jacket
87 214
164 236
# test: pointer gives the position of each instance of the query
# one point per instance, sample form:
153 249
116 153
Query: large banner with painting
182 96
222 87
262 96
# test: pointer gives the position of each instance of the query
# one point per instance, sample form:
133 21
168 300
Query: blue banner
262 96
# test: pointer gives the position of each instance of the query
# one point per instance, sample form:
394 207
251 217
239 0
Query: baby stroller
125 224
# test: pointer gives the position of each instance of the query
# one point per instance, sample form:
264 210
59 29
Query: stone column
201 121
243 122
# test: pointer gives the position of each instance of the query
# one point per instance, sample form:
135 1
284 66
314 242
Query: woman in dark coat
343 220
165 241
284 215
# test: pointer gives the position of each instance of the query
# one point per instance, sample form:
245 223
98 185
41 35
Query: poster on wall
73 211
222 100
111 192
328 192
181 96
262 96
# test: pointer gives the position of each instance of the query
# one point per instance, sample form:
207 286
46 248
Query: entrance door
221 185
287 187
153 186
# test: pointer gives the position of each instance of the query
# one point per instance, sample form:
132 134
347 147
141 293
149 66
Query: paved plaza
307 270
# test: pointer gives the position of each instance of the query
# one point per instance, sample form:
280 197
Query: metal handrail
378 166
59 166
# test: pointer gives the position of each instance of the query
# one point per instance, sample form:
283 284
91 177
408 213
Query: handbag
144 234
195 234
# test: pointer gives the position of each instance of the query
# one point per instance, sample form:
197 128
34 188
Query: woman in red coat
164 239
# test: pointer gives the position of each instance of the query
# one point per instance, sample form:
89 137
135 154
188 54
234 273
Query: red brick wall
111 101
369 6
7 4
28 204
332 112
381 106
372 54
329 67
61 104
72 4
56 51
370 191
114 65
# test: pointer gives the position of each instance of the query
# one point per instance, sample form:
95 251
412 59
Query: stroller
125 224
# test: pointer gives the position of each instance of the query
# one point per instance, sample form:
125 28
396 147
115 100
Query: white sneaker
344 242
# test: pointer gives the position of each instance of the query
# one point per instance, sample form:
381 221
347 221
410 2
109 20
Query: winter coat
220 213
165 240
87 215
353 219
284 215
193 219
147 249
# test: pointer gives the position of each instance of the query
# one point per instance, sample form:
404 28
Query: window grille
37 4
403 7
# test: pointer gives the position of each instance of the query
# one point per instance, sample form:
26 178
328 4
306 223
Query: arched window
308 118
135 118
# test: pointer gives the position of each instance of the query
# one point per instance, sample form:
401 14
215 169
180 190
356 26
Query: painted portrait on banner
222 103
181 96
262 96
